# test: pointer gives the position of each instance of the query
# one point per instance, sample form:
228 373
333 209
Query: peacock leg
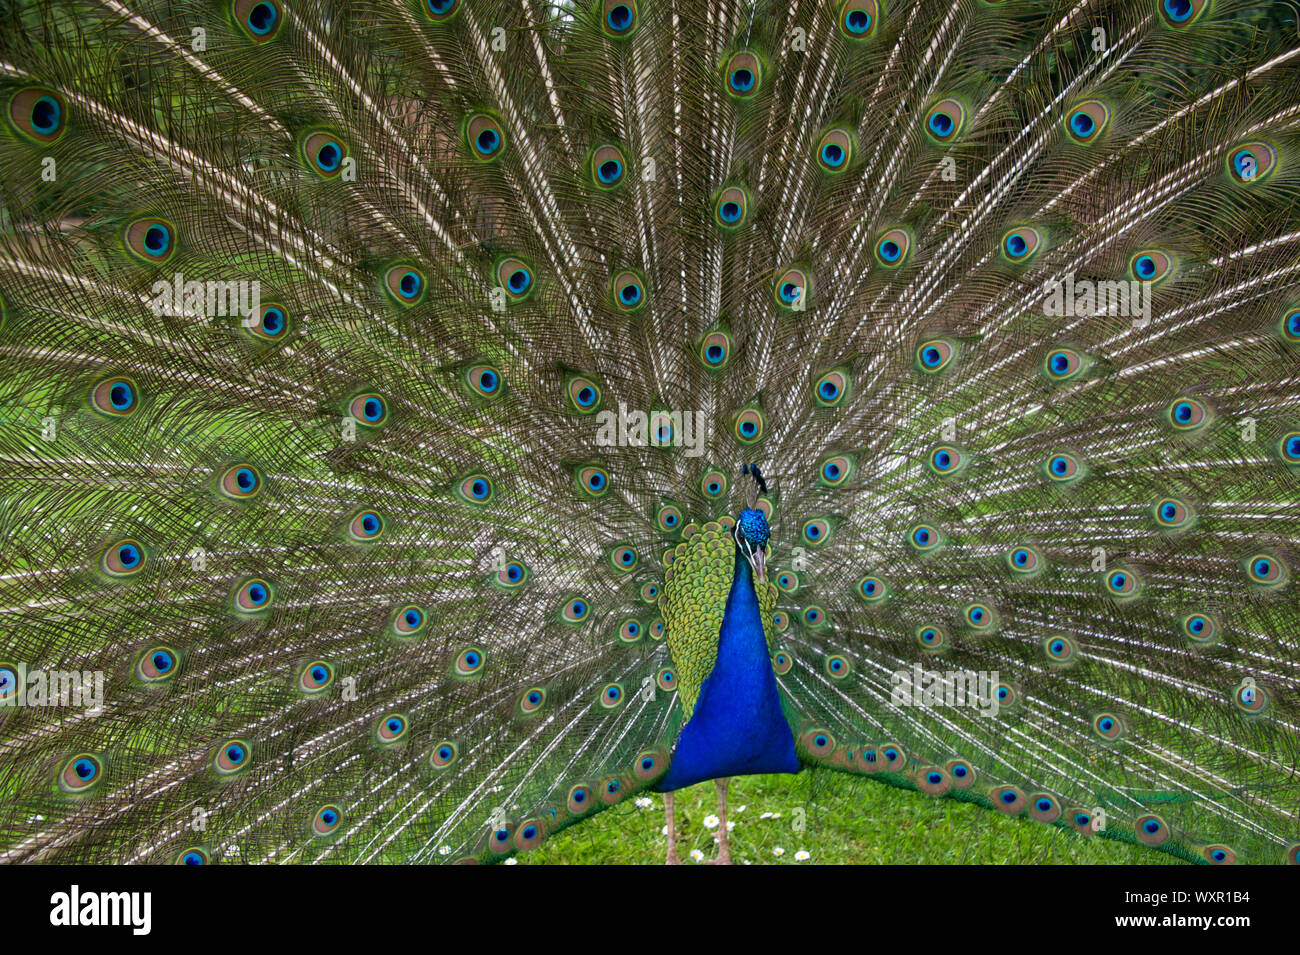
671 828
724 848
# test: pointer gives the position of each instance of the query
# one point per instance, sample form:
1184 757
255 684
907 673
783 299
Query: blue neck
737 728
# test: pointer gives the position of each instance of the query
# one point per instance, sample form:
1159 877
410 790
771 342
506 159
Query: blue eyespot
45 115
742 80
619 18
261 19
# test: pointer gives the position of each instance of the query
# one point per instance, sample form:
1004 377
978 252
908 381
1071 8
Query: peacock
429 423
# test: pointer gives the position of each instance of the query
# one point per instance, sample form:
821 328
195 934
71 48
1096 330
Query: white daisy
512 861
644 802
710 822
778 851
697 855
802 856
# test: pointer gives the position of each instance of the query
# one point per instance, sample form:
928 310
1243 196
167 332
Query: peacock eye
749 426
38 115
315 677
151 240
1087 121
1181 14
515 277
623 558
946 120
858 18
370 410
240 481
935 354
252 596
893 247
1024 561
324 154
231 757
115 397
584 394
441 9
485 136
628 290
608 167
793 288
391 728
620 17
669 518
575 610
122 559
405 284
1267 570
443 755
1188 414
476 489
259 19
744 72
593 480
1123 583
730 208
366 526
81 773
155 665
1151 265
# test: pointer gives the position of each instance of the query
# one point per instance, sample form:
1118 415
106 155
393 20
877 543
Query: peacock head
751 529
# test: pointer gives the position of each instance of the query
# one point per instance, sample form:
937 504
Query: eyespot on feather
260 20
151 240
38 114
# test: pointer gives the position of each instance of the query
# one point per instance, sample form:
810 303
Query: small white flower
697 855
644 802
512 861
663 830
742 808
730 825
778 851
444 850
710 822
802 856
766 815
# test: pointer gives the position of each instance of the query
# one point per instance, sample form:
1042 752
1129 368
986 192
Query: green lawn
844 820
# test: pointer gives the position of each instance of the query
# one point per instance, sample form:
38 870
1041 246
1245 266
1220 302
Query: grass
844 821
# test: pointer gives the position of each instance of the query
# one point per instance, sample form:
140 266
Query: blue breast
737 728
